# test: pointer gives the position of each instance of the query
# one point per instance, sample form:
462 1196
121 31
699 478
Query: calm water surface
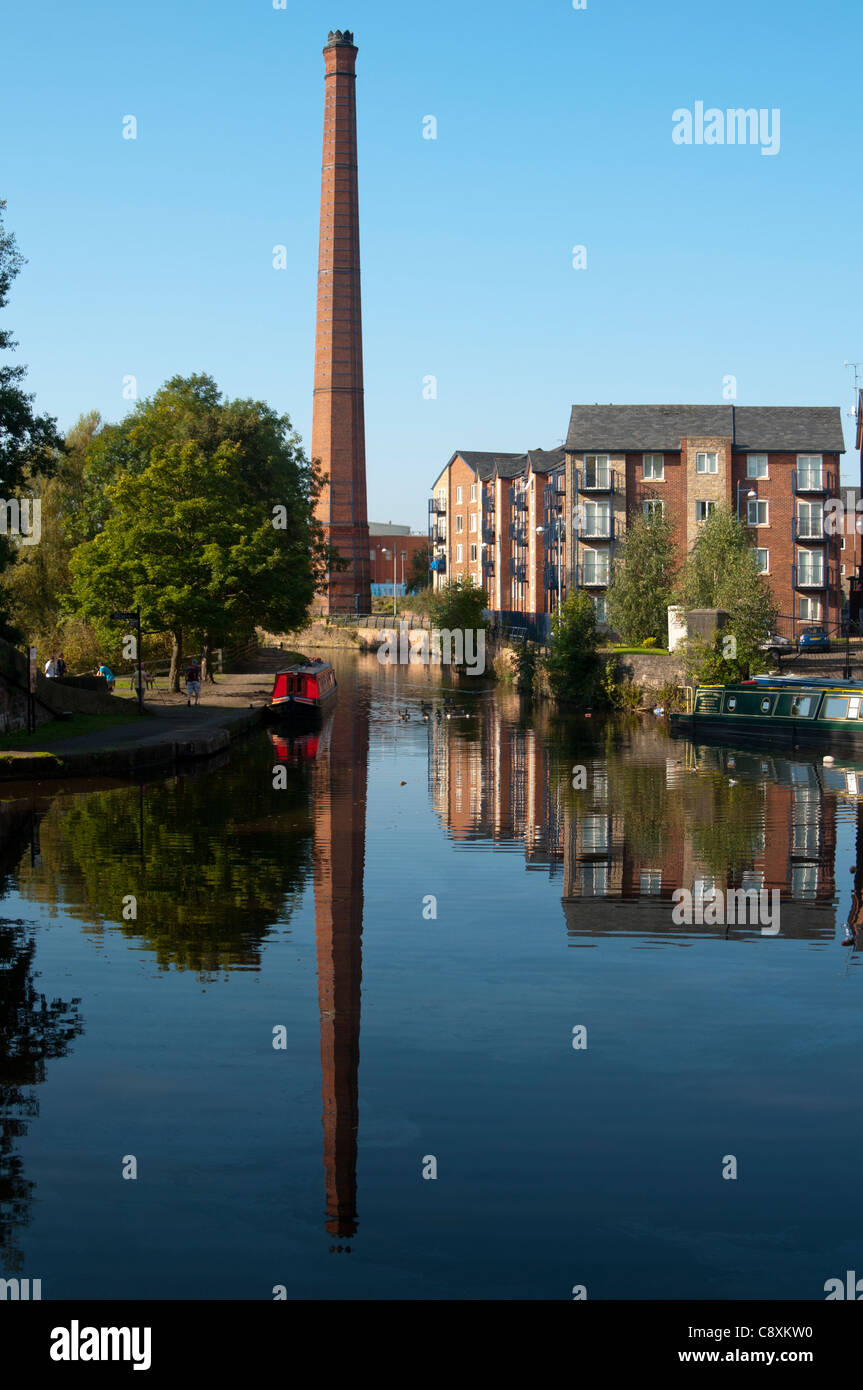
427 911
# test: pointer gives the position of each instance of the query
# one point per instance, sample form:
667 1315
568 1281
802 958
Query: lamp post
750 493
386 552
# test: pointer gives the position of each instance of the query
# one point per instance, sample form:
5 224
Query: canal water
403 1010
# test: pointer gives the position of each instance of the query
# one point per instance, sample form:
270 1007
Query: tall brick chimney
338 424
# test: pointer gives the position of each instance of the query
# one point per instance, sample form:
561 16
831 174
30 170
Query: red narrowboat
304 689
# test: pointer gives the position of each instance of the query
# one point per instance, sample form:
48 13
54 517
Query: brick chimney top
339 36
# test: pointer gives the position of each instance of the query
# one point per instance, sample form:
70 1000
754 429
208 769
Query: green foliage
525 664
458 604
649 642
642 580
201 511
721 571
28 442
573 665
418 577
619 694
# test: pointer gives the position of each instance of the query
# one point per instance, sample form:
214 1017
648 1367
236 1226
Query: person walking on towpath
60 666
193 681
51 668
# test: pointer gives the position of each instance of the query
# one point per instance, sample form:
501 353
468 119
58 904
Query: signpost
134 616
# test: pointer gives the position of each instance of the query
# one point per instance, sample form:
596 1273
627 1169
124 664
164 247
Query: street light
385 551
750 493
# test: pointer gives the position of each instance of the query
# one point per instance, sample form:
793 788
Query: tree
721 571
418 576
642 579
202 511
573 665
27 441
459 604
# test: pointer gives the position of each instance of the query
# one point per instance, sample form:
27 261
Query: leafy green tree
28 442
721 571
459 604
643 578
202 511
418 577
573 664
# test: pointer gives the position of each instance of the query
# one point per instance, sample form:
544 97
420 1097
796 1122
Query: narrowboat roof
305 668
791 683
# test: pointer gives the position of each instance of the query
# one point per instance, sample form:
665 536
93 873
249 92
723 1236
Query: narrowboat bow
302 691
790 709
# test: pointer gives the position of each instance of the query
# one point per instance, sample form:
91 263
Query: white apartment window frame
652 504
707 505
656 464
807 508
757 503
459 554
753 463
600 607
762 550
707 457
459 494
808 601
459 525
473 553
472 525
812 561
473 492
811 463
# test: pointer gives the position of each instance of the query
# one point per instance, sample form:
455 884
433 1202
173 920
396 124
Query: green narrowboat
785 709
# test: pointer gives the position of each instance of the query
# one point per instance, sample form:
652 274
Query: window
835 708
473 521
810 610
762 560
594 880
459 554
731 703
595 567
704 509
473 553
804 880
653 467
809 472
458 494
842 543
756 513
594 834
459 524
651 882
707 463
600 604
767 705
596 519
810 520
596 471
703 890
810 567
756 466
653 506
473 492
801 705
842 571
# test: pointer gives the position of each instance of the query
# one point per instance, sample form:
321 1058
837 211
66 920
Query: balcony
488 534
517 533
489 501
807 576
488 564
813 480
594 576
438 564
518 500
808 529
437 506
551 572
596 480
517 571
438 532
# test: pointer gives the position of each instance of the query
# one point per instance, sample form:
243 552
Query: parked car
776 643
813 639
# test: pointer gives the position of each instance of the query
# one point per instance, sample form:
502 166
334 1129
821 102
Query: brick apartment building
529 527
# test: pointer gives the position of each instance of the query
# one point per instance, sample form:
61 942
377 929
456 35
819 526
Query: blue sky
154 256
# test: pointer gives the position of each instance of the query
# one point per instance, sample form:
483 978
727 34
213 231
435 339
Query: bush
620 695
573 666
525 667
649 642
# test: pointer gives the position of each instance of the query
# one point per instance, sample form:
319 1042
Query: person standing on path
51 668
193 681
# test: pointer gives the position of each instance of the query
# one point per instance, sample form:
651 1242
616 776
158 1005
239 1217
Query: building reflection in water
652 817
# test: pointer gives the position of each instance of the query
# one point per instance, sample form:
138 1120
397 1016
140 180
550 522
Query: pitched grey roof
791 429
546 460
510 465
482 463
